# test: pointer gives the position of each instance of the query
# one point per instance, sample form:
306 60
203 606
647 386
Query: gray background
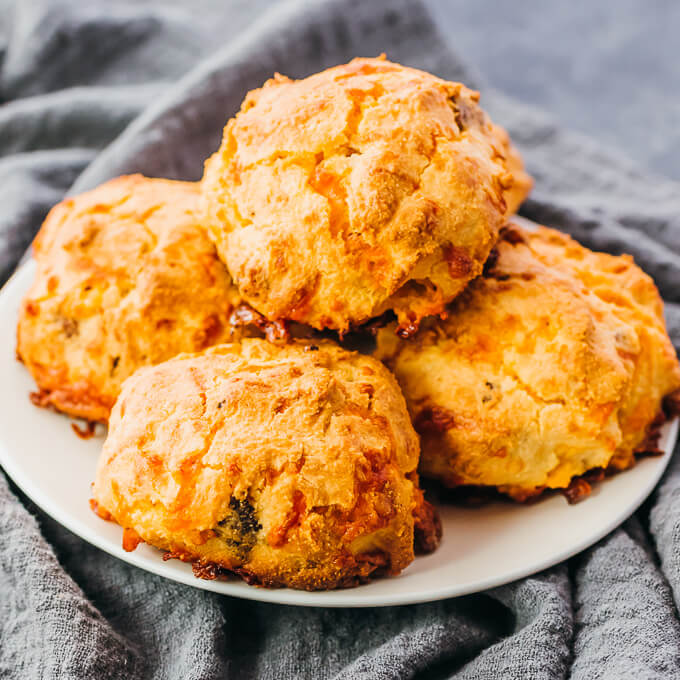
608 68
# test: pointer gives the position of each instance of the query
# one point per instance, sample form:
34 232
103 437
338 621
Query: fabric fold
618 611
41 608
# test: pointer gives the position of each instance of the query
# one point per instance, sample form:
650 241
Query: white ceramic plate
482 547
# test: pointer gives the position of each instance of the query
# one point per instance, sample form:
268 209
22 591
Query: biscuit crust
553 363
522 182
126 276
364 188
289 465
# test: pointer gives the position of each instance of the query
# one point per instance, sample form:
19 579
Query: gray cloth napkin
95 89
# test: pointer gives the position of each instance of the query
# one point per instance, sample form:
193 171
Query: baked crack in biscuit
365 188
288 465
126 277
553 363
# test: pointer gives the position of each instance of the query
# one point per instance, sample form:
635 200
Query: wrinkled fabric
92 90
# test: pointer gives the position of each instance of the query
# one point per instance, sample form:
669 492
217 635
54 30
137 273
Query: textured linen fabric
94 89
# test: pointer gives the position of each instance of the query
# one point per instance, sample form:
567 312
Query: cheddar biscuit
289 465
555 362
365 188
125 277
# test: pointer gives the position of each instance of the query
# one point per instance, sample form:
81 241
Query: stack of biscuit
207 323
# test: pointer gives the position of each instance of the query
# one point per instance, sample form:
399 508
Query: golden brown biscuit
553 363
125 277
365 188
288 465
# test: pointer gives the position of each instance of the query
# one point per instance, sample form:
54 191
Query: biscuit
364 188
288 465
125 277
555 362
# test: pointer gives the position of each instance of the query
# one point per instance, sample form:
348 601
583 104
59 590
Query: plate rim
348 598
